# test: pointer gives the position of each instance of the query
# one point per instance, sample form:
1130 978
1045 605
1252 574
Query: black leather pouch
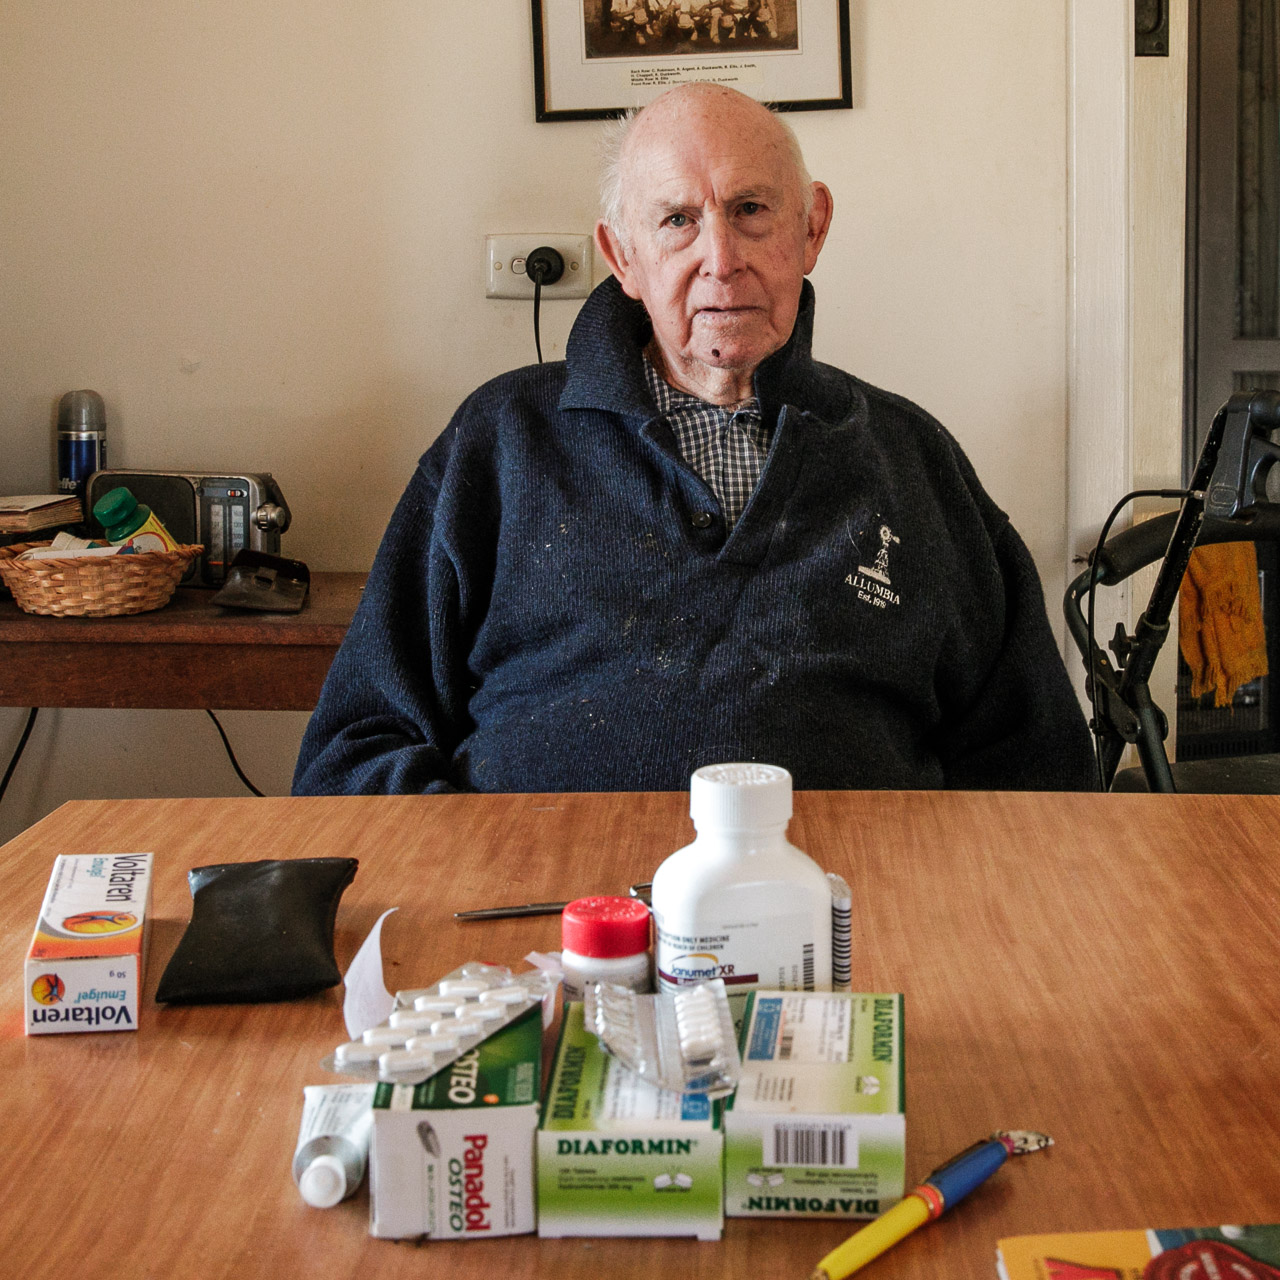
259 931
259 580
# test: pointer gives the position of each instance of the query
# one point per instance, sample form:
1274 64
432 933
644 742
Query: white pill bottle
742 903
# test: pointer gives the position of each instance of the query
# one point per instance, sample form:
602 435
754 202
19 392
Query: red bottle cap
605 928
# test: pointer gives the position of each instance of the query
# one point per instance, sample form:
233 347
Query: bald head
719 106
712 223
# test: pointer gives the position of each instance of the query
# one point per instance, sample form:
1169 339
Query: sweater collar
606 367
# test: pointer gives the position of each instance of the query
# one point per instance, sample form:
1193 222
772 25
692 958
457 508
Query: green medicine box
817 1127
618 1156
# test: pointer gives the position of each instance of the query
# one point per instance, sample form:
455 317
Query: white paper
68 553
367 1002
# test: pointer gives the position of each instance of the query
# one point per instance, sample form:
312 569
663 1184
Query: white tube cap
324 1182
740 796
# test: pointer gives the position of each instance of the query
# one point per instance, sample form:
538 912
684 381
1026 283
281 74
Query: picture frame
596 59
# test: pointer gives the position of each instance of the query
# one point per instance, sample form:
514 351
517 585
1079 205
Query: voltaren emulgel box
452 1158
817 1127
87 958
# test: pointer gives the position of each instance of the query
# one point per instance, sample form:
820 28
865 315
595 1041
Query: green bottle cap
114 507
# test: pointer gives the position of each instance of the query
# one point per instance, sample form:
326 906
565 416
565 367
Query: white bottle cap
323 1182
740 796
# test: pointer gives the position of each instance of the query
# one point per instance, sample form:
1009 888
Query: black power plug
544 265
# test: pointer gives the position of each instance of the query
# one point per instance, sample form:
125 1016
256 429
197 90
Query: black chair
1226 502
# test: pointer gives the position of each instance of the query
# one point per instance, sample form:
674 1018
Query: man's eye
678 220
750 207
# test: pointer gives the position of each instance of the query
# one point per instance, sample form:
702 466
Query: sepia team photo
654 28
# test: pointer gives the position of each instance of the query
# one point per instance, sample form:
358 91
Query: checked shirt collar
727 446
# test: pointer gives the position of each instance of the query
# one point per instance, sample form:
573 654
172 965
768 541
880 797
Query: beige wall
257 231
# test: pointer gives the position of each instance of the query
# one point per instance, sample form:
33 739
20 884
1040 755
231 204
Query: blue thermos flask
82 440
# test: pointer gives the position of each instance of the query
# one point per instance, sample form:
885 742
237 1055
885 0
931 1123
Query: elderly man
691 542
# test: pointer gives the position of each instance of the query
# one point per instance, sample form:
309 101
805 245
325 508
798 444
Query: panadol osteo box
817 1127
86 960
617 1156
452 1158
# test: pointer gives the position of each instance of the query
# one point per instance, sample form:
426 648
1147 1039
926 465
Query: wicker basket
93 586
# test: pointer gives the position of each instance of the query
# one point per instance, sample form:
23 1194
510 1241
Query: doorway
1233 300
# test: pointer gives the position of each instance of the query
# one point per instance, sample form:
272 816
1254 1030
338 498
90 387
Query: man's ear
819 224
611 250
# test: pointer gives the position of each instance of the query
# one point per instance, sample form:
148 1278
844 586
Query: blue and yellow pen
944 1187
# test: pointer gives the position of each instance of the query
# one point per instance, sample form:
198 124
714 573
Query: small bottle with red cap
605 940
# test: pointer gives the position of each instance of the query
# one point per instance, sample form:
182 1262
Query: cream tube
333 1142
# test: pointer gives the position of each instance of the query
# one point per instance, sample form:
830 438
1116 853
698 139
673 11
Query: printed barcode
808 966
841 946
785 1041
830 1145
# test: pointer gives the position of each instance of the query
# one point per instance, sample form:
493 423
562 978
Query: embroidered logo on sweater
872 581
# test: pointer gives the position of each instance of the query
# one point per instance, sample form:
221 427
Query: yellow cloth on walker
1220 631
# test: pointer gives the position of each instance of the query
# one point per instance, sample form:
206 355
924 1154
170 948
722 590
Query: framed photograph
596 58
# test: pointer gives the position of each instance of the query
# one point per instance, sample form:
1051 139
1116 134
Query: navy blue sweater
556 605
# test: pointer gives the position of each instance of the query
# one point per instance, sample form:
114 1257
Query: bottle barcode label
807 983
833 1145
841 945
785 1042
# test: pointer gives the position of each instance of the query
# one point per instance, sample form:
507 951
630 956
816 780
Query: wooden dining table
1105 969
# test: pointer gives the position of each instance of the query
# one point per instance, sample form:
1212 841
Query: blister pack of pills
681 1040
430 1027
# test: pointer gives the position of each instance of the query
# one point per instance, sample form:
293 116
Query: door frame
1099 249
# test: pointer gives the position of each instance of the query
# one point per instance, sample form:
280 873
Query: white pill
406 998
435 1004
506 995
433 1044
683 1180
698 1028
357 1053
457 1027
699 1051
699 1001
385 1036
463 988
482 1011
395 1061
412 1020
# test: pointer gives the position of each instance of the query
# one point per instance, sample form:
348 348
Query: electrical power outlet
505 276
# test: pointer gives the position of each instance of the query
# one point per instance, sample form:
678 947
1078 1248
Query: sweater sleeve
393 707
1023 729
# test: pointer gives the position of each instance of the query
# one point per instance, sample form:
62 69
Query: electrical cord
543 266
17 754
1093 587
31 720
537 307
231 755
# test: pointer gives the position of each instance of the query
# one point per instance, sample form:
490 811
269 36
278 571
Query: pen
945 1186
640 891
501 913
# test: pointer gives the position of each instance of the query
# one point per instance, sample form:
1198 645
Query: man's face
716 241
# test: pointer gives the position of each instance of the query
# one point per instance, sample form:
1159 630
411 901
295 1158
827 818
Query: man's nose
721 249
